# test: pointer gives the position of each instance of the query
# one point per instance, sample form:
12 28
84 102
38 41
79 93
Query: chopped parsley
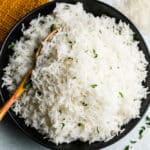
97 130
70 58
147 118
95 54
141 132
62 125
127 147
60 111
74 77
27 85
72 42
132 141
11 45
52 27
119 32
93 85
83 103
121 94
113 28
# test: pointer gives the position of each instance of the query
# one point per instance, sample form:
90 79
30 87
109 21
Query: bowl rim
20 21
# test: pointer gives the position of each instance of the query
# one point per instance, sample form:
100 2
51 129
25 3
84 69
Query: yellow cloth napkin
12 10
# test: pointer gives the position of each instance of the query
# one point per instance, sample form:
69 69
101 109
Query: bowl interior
97 8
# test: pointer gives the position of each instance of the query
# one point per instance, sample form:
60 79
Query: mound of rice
87 82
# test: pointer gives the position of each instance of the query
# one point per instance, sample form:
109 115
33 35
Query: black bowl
97 8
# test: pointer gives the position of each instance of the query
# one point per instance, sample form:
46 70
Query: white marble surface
11 138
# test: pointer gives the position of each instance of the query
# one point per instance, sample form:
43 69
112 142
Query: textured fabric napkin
12 10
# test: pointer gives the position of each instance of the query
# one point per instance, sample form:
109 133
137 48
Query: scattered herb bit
11 45
86 51
83 103
127 147
121 94
141 132
119 32
143 128
72 42
79 124
97 130
93 85
70 58
27 85
52 27
132 142
148 123
113 28
62 125
100 31
74 77
60 111
95 54
110 67
147 118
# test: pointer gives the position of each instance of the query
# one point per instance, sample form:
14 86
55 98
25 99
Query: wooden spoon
22 87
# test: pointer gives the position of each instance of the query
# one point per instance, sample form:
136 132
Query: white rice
87 81
136 10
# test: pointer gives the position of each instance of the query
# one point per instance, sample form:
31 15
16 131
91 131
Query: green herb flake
133 142
93 85
100 31
60 111
147 118
119 32
72 42
11 46
143 128
83 103
141 132
27 85
62 125
86 51
148 123
97 130
113 28
95 54
70 58
127 147
121 94
52 27
74 77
